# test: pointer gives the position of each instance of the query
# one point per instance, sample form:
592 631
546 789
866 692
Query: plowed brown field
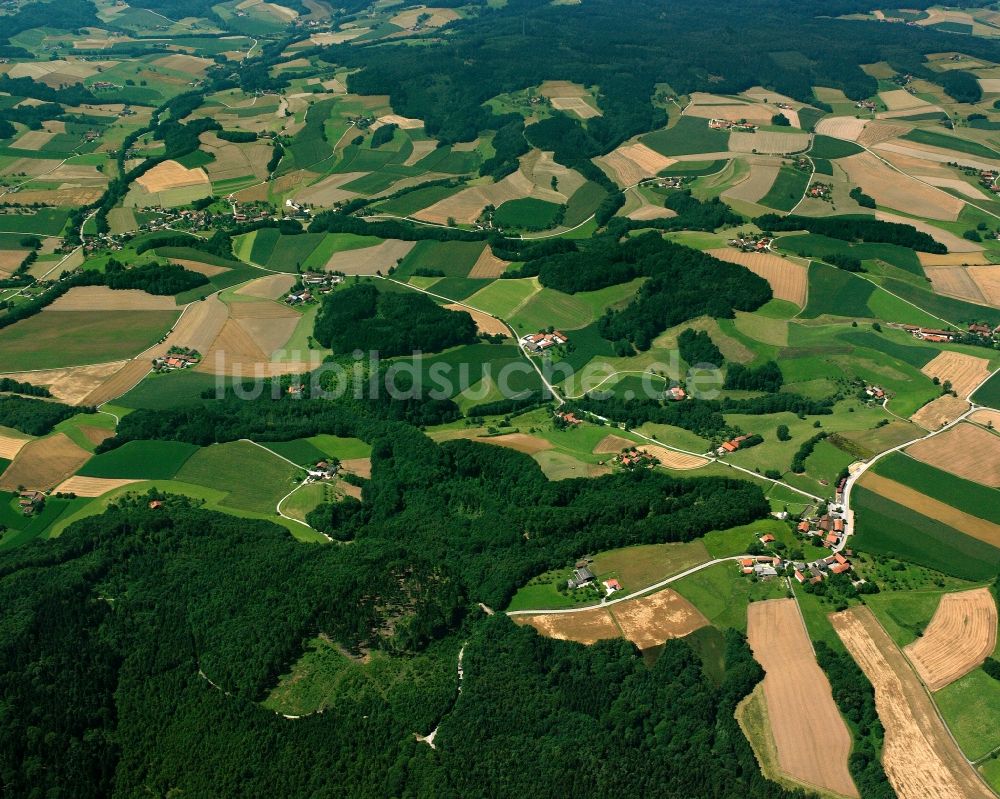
44 463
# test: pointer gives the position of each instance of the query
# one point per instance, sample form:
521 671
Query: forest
872 231
133 664
34 416
362 317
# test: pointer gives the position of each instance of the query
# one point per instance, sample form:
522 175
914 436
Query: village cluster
539 342
751 242
739 126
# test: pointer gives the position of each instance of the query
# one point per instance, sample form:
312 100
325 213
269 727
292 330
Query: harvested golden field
954 259
630 163
33 139
901 100
955 281
965 372
234 350
170 175
920 757
938 412
362 467
986 417
487 265
653 620
522 442
751 112
950 240
421 149
927 152
763 172
878 131
987 280
899 191
71 196
404 123
911 498
965 451
91 486
789 280
584 627
10 446
208 270
270 287
192 65
436 17
561 88
370 260
671 459
328 191
648 211
990 85
577 105
269 324
768 142
44 463
73 384
956 185
960 636
485 323
812 745
612 444
101 298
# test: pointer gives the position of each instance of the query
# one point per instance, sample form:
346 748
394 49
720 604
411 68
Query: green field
905 614
550 307
140 460
787 189
453 258
342 448
722 593
413 201
299 450
813 245
971 707
989 393
836 292
501 297
583 203
45 221
689 136
887 528
972 498
527 214
829 148
253 479
171 390
943 140
53 339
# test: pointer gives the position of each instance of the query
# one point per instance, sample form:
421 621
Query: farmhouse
732 445
177 358
30 502
322 470
581 576
676 393
612 585
633 458
539 342
568 417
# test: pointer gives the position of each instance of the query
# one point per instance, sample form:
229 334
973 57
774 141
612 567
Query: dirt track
920 757
811 738
961 636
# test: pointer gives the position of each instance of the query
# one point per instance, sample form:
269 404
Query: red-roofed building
612 585
803 527
840 558
831 539
800 576
840 568
767 538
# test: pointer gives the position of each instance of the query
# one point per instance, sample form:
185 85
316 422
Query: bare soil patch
901 100
966 451
487 265
522 442
895 190
208 270
653 620
192 65
10 260
752 112
938 412
73 384
362 467
812 745
964 371
961 635
101 298
91 486
789 280
370 260
956 185
404 123
44 463
585 627
954 259
170 175
577 105
328 191
920 757
484 322
421 149
612 444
